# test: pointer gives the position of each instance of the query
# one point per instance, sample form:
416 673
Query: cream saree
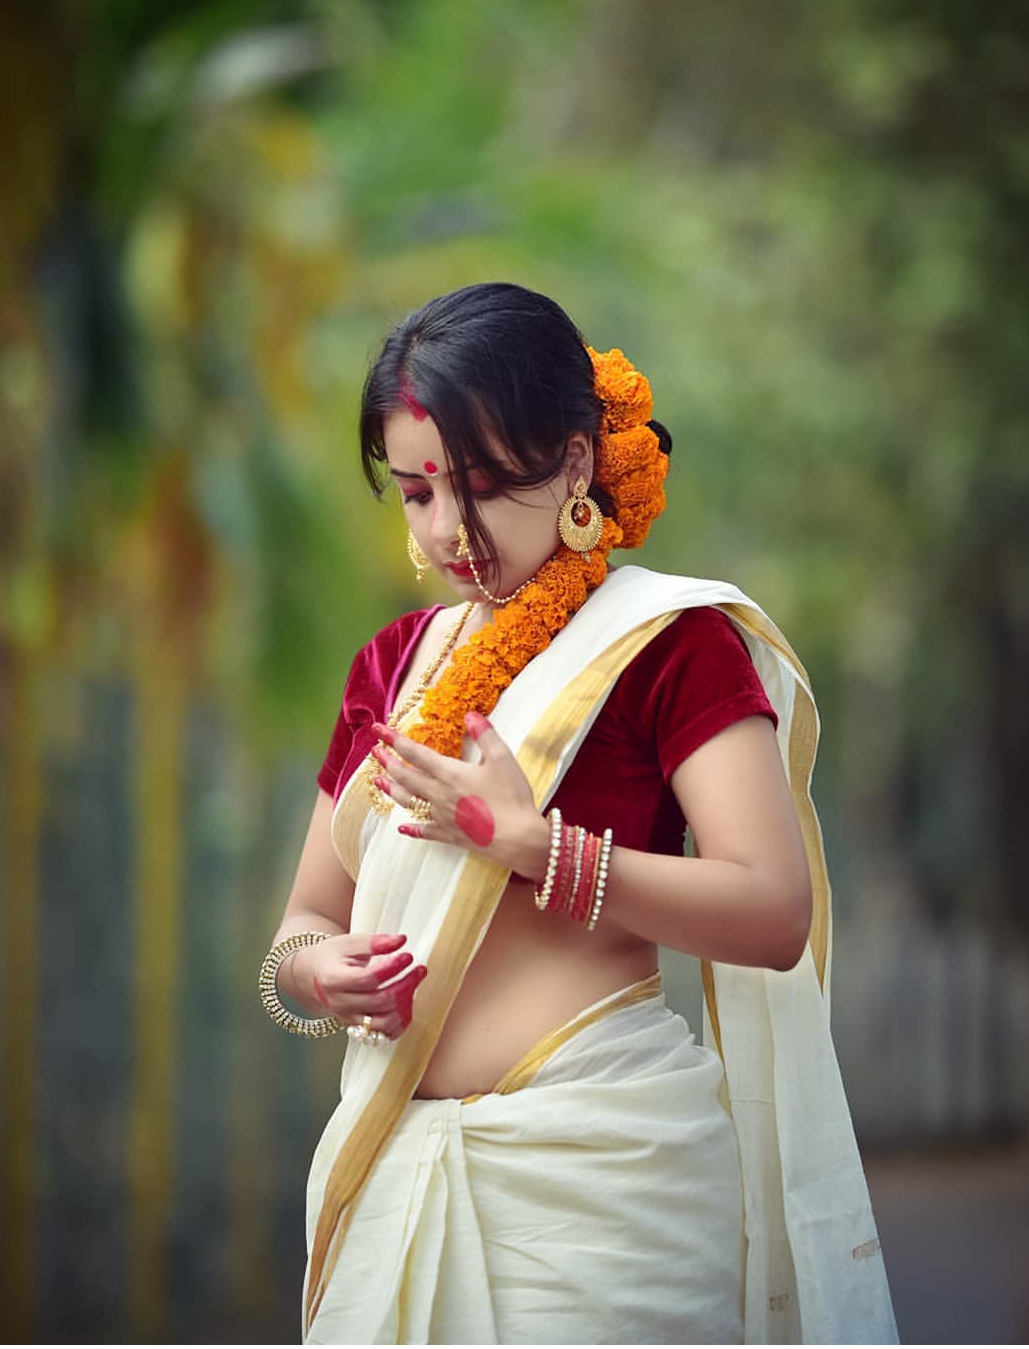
388 1265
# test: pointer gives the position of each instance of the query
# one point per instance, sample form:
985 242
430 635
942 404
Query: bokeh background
807 224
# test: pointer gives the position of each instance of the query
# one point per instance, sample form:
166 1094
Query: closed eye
481 484
419 498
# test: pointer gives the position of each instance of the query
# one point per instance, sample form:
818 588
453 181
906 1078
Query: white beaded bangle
598 898
312 1028
543 894
580 843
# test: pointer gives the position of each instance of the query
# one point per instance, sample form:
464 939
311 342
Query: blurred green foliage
805 223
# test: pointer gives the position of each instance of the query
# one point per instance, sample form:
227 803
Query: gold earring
419 561
580 523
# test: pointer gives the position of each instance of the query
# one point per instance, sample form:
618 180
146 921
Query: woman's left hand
487 806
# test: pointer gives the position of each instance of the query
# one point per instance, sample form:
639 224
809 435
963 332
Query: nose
445 519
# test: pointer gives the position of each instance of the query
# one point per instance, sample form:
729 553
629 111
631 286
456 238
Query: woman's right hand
352 977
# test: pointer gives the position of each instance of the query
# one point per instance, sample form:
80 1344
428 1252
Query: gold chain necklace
463 550
381 803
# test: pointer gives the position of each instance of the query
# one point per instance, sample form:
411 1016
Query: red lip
463 569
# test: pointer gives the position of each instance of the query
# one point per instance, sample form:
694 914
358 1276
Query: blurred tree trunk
19 885
34 120
167 572
160 702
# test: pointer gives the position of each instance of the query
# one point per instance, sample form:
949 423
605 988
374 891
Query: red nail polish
476 723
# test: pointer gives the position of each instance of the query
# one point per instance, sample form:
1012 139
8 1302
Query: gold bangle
313 1028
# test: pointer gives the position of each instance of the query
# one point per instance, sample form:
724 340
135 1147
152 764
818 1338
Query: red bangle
563 875
582 900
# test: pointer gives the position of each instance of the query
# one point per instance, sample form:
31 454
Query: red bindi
475 819
430 468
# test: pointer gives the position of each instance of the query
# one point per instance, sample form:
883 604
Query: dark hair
496 362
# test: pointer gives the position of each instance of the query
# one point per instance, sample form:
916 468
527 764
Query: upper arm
321 885
734 793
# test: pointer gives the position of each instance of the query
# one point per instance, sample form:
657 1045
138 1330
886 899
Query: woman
529 1147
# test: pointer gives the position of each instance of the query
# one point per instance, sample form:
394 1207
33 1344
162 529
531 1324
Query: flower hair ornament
630 466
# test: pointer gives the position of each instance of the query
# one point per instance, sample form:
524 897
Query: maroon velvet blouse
694 679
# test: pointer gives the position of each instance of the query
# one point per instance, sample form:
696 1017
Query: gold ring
420 809
366 1022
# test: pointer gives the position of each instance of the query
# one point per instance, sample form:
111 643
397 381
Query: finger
419 755
396 998
388 967
416 782
404 989
351 982
404 1004
405 799
321 995
488 742
428 830
382 942
405 792
360 946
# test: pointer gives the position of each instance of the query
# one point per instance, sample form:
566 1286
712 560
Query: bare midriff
533 972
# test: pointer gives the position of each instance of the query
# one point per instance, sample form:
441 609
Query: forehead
412 442
414 445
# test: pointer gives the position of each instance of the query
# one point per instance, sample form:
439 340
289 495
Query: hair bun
664 437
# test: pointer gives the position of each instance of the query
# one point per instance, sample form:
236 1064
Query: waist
633 1021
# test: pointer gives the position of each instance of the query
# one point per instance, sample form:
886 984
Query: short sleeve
374 674
695 679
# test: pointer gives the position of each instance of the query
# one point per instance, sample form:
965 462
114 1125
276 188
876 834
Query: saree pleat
520 1205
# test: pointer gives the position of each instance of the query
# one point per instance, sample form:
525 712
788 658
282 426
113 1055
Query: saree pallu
811 1266
552 1210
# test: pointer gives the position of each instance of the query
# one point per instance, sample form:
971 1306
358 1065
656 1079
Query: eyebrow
401 473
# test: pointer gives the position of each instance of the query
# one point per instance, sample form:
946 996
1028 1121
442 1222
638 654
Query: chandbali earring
463 550
580 523
419 561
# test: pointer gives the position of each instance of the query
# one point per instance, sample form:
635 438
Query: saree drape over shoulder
619 1185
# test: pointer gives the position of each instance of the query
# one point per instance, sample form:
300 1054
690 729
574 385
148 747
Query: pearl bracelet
543 894
313 1028
598 898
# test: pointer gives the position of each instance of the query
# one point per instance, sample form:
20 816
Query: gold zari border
802 746
521 1075
478 891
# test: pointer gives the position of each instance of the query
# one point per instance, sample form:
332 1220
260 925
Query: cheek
525 537
475 820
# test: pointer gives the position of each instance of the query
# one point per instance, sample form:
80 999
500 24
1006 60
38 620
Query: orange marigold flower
631 468
625 392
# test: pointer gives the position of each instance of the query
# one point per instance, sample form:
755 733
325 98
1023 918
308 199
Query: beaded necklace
381 803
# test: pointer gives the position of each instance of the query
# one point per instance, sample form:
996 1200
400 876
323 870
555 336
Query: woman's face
522 523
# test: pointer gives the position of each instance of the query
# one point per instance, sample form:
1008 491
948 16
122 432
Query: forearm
723 911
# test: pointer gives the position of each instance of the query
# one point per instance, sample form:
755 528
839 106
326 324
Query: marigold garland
630 467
